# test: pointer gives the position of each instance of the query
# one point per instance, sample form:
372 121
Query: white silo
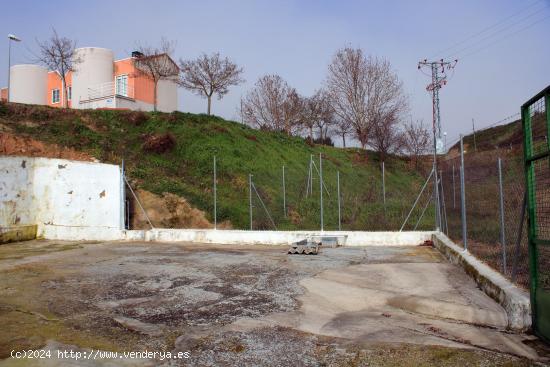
28 84
94 71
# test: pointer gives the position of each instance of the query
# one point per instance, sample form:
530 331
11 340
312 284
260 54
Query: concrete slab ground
249 306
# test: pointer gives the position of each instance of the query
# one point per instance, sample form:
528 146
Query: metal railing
109 89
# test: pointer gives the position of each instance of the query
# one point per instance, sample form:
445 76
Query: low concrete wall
233 237
17 233
66 233
514 300
347 238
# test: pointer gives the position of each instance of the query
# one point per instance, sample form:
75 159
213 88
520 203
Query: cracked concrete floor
250 305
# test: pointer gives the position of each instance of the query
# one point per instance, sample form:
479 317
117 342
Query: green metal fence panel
535 115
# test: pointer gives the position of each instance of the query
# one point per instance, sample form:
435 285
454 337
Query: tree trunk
364 147
311 134
209 105
64 87
155 96
344 140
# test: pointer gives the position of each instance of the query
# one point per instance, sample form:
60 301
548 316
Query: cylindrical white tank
28 84
94 70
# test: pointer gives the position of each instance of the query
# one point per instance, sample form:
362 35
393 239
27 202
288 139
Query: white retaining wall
73 200
235 237
58 192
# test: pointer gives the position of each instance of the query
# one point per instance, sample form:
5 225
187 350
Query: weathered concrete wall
347 238
58 192
18 233
514 300
16 191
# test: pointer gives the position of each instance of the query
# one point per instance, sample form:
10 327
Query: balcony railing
109 89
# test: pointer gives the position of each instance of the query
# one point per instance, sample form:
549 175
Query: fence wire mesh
540 184
485 233
361 208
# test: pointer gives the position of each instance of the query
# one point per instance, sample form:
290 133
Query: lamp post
11 37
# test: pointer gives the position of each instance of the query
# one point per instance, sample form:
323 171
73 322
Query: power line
505 37
499 122
486 29
496 33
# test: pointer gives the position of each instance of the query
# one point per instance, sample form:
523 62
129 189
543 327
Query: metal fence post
518 240
444 224
284 193
463 196
339 204
311 174
215 197
122 198
454 189
250 198
321 188
384 187
501 204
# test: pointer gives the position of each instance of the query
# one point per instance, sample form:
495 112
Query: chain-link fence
373 197
494 193
381 202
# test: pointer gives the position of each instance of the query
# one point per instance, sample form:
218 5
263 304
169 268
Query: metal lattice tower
438 74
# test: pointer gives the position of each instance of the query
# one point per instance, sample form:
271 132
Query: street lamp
11 37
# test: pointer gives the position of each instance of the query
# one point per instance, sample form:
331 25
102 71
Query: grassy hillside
497 137
174 152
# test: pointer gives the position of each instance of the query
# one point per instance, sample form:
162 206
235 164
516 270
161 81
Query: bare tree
367 95
342 128
273 105
347 83
317 112
385 134
326 116
415 140
387 104
156 63
58 54
209 74
309 117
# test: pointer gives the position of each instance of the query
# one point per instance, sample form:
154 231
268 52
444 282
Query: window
69 93
55 95
122 85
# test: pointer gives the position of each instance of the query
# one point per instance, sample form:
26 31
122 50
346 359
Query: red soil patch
16 145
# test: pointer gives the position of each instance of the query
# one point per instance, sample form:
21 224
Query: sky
498 68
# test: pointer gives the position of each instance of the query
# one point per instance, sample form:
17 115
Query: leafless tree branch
273 105
208 75
58 54
415 141
156 63
367 97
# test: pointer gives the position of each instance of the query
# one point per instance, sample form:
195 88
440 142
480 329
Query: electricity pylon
438 73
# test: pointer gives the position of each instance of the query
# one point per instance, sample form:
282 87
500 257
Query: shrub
136 118
325 141
159 143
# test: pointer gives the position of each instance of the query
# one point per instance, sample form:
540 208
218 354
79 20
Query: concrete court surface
250 306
